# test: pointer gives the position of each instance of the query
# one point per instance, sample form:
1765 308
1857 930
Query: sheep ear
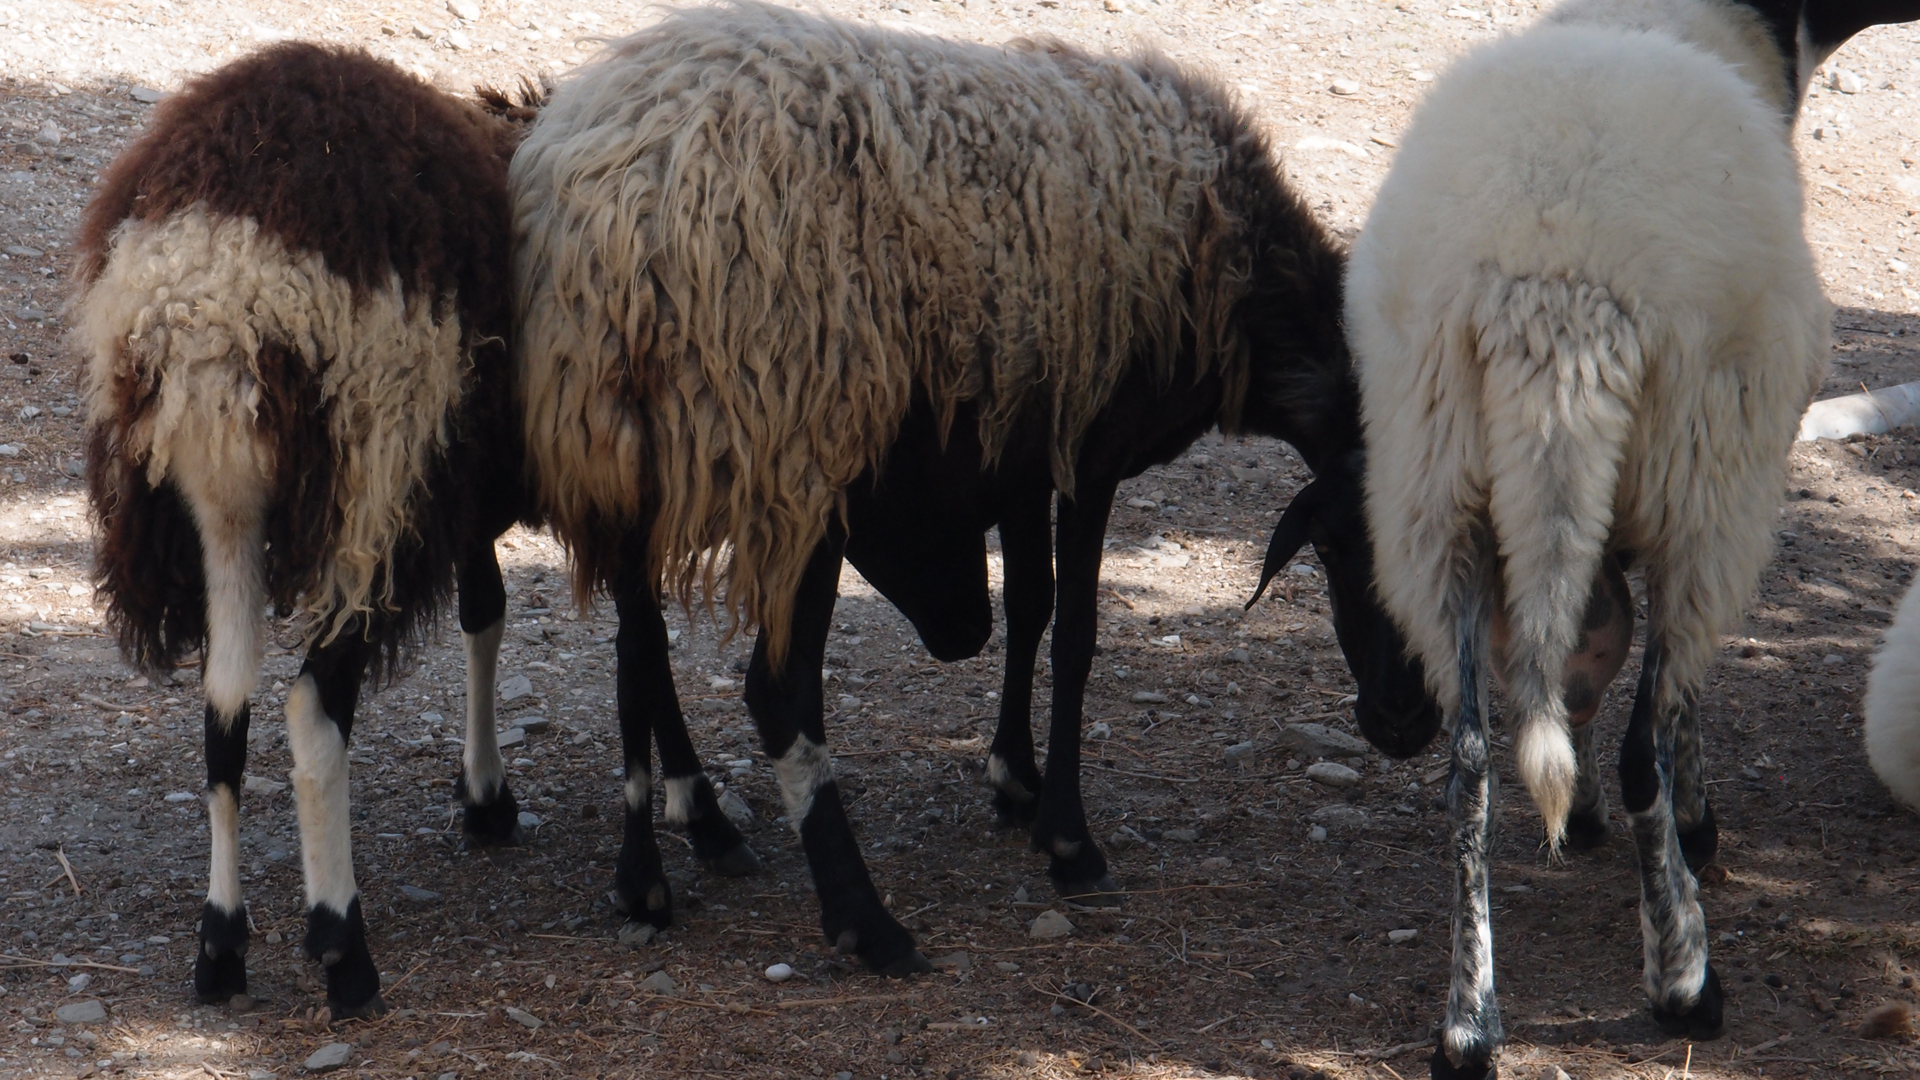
1291 533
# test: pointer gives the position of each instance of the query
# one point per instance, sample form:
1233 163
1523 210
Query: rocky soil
1286 919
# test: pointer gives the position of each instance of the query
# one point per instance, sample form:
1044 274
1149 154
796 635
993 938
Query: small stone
21 251
423 32
721 683
81 1012
533 725
524 1018
260 785
146 95
1344 87
1238 656
515 688
1007 966
1182 836
1100 730
9 450
464 9
660 983
240 1003
1332 774
779 973
1340 815
79 983
736 809
328 1057
529 820
1401 937
1116 6
1845 81
513 736
180 796
1149 697
637 933
415 892
1050 926
49 134
849 703
31 314
959 961
28 412
1240 753
1319 740
1832 659
459 42
1217 862
273 937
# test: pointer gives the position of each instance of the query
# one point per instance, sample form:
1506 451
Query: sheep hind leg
693 805
1026 543
786 706
220 967
1471 1035
1692 811
1606 636
490 817
644 693
320 710
1682 987
1077 866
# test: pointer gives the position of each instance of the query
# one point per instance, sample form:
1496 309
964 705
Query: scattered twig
1215 1024
1188 888
9 958
1137 1033
1145 775
66 866
1780 1040
1115 593
727 1007
402 979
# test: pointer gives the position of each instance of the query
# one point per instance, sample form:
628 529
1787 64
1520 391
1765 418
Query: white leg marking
223 821
803 770
639 789
320 792
1002 779
228 494
485 771
680 798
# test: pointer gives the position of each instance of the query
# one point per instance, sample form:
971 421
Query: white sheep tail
1893 705
1563 366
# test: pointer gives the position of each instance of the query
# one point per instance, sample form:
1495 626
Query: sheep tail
1568 364
1893 705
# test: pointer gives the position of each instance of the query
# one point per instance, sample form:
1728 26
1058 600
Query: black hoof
1587 830
1701 843
739 862
339 943
1470 1069
220 968
1104 892
650 902
493 824
881 943
1077 868
1706 1019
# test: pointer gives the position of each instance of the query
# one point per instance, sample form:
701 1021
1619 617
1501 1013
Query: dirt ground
1246 947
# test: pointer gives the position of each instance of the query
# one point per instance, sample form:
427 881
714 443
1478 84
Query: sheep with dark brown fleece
293 299
753 247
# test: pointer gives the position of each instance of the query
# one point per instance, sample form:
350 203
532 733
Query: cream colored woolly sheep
747 236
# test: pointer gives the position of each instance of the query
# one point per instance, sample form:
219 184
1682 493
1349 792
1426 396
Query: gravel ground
1247 946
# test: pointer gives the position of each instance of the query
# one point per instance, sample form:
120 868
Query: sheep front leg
643 690
692 804
491 817
786 706
320 711
1471 1035
1682 986
1078 869
1026 546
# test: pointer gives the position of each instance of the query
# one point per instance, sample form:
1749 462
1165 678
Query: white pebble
780 973
1332 774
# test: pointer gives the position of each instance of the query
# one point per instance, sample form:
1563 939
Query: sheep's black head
1393 709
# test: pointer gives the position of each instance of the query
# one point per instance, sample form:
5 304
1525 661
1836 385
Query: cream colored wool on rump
186 304
746 236
1585 319
1893 705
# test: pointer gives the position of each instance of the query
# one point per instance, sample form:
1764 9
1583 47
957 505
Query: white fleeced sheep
1586 321
1893 705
